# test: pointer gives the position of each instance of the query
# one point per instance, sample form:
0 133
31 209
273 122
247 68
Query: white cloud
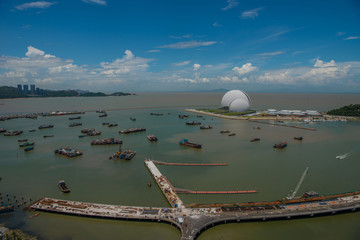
234 79
352 38
340 33
231 4
276 77
245 69
34 52
181 63
153 50
253 13
182 36
188 44
196 66
216 24
321 64
271 53
38 4
99 2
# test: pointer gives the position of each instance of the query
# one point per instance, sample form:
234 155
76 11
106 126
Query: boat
258 128
232 134
32 130
22 140
28 149
46 136
68 152
152 138
193 123
91 132
112 125
103 115
183 116
12 133
280 145
255 140
63 187
127 155
75 124
27 144
45 126
2 130
81 136
298 138
157 114
132 119
206 127
342 156
107 141
149 184
74 118
224 131
132 130
105 123
185 142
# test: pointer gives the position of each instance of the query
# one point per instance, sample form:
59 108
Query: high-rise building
32 88
26 89
19 88
37 91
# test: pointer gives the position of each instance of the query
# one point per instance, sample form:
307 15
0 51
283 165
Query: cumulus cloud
34 52
321 64
230 4
234 79
245 69
98 2
253 13
188 44
276 77
196 66
38 4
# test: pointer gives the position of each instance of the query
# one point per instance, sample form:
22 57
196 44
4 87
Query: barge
152 138
106 141
206 127
193 123
186 143
68 152
63 187
281 145
13 133
132 130
45 126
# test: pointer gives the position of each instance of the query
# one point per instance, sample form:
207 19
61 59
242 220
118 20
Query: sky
181 45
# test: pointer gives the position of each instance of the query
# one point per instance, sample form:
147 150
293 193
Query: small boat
152 138
63 187
298 138
132 130
35 215
81 136
22 140
258 128
232 134
149 184
185 142
342 156
103 115
206 127
12 133
45 126
132 119
27 144
112 125
28 149
2 130
105 123
73 118
75 124
255 140
193 123
183 116
280 145
47 136
68 152
32 130
224 131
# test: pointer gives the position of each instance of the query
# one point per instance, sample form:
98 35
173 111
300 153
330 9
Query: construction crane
298 185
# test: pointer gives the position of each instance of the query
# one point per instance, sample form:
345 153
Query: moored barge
68 152
63 187
45 126
106 141
132 130
186 143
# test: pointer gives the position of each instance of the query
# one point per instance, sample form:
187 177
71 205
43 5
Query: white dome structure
232 95
239 105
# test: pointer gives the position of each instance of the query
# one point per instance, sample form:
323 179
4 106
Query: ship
152 138
2 130
106 141
193 123
255 140
28 149
12 133
232 134
132 130
68 152
127 155
103 115
206 127
90 131
75 124
63 187
298 138
22 140
45 126
112 125
185 142
74 118
132 119
46 136
280 145
183 116
224 131
27 144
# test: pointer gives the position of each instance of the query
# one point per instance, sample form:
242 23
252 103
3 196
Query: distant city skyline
136 46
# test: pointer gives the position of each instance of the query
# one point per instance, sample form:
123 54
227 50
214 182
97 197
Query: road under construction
193 219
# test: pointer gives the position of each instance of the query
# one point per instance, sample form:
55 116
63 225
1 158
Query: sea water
252 165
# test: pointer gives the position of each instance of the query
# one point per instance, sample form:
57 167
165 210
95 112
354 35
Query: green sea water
94 178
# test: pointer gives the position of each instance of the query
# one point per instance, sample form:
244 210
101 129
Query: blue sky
181 45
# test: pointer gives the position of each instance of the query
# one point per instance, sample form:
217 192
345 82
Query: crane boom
299 184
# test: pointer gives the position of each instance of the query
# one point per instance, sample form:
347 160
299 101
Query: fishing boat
2 130
206 127
106 141
47 136
103 115
132 119
63 187
232 134
224 131
45 126
183 116
74 118
27 144
258 128
81 136
105 123
68 152
22 140
32 130
280 145
127 155
185 142
298 138
255 140
112 125
152 138
28 149
91 132
342 156
132 130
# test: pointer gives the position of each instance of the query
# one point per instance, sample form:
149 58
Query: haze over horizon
137 46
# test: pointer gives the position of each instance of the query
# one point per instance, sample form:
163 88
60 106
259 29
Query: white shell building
236 101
